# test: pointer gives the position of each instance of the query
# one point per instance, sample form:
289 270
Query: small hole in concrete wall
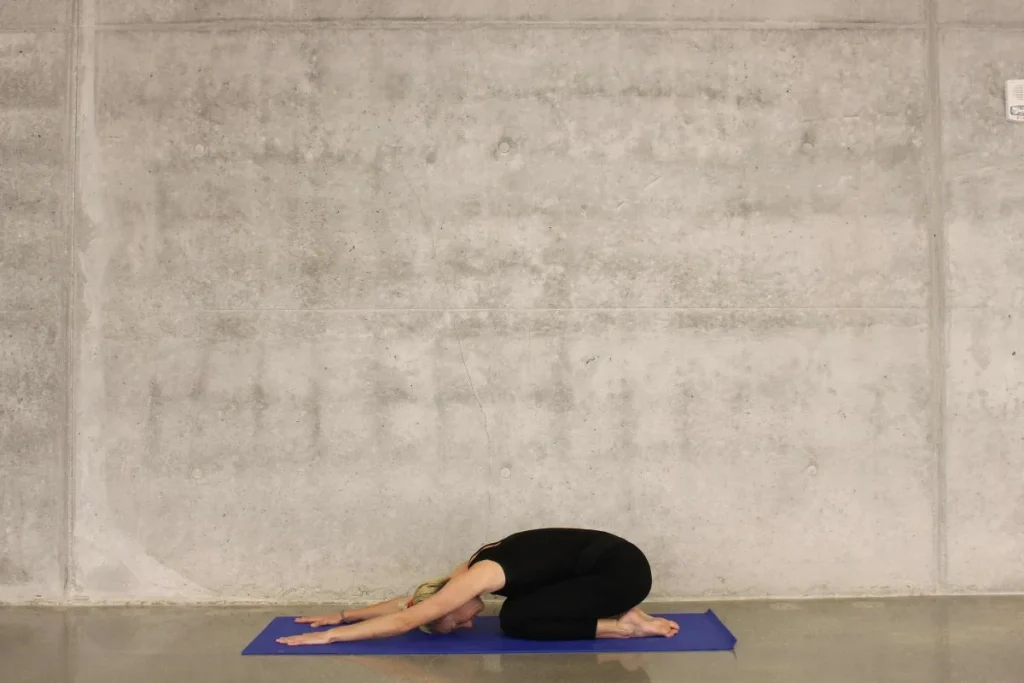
505 146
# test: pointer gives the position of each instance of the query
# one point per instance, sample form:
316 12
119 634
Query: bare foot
638 624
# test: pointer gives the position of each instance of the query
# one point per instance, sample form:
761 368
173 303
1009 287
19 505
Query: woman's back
540 557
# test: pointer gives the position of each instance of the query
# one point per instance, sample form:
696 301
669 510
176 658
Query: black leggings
618 581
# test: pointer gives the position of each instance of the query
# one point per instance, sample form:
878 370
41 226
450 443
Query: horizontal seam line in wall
995 309
19 311
597 309
983 25
32 28
957 307
400 24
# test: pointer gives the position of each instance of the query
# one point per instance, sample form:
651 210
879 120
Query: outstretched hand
322 620
315 638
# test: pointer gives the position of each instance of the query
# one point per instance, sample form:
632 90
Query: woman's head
459 618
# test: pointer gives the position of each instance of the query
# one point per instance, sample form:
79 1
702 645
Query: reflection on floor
925 640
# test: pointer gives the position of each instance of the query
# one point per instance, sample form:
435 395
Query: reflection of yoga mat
697 632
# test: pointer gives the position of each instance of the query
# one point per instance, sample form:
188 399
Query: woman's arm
460 590
353 615
381 609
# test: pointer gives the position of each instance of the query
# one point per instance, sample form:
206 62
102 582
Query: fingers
323 620
306 639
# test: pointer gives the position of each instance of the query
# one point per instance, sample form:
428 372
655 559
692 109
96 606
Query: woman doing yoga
558 584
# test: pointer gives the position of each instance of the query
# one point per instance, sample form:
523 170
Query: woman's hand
315 638
323 620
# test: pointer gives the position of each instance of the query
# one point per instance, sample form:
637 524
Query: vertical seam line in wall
937 261
70 292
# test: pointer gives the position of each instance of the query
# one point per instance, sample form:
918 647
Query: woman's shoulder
486 574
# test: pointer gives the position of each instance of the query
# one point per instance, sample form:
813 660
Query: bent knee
635 576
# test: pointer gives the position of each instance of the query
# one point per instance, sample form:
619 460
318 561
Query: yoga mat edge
699 632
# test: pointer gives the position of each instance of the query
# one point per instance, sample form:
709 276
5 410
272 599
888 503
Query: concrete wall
307 300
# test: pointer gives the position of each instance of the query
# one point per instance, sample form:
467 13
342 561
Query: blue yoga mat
697 632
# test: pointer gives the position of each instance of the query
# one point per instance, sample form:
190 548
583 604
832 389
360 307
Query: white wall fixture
1015 101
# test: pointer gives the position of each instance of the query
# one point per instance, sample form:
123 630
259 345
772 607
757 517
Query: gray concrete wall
305 301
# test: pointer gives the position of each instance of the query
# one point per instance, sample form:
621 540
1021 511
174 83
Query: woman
558 584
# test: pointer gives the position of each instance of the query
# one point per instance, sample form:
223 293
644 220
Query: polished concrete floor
951 640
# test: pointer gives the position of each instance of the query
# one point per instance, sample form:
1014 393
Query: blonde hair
426 590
